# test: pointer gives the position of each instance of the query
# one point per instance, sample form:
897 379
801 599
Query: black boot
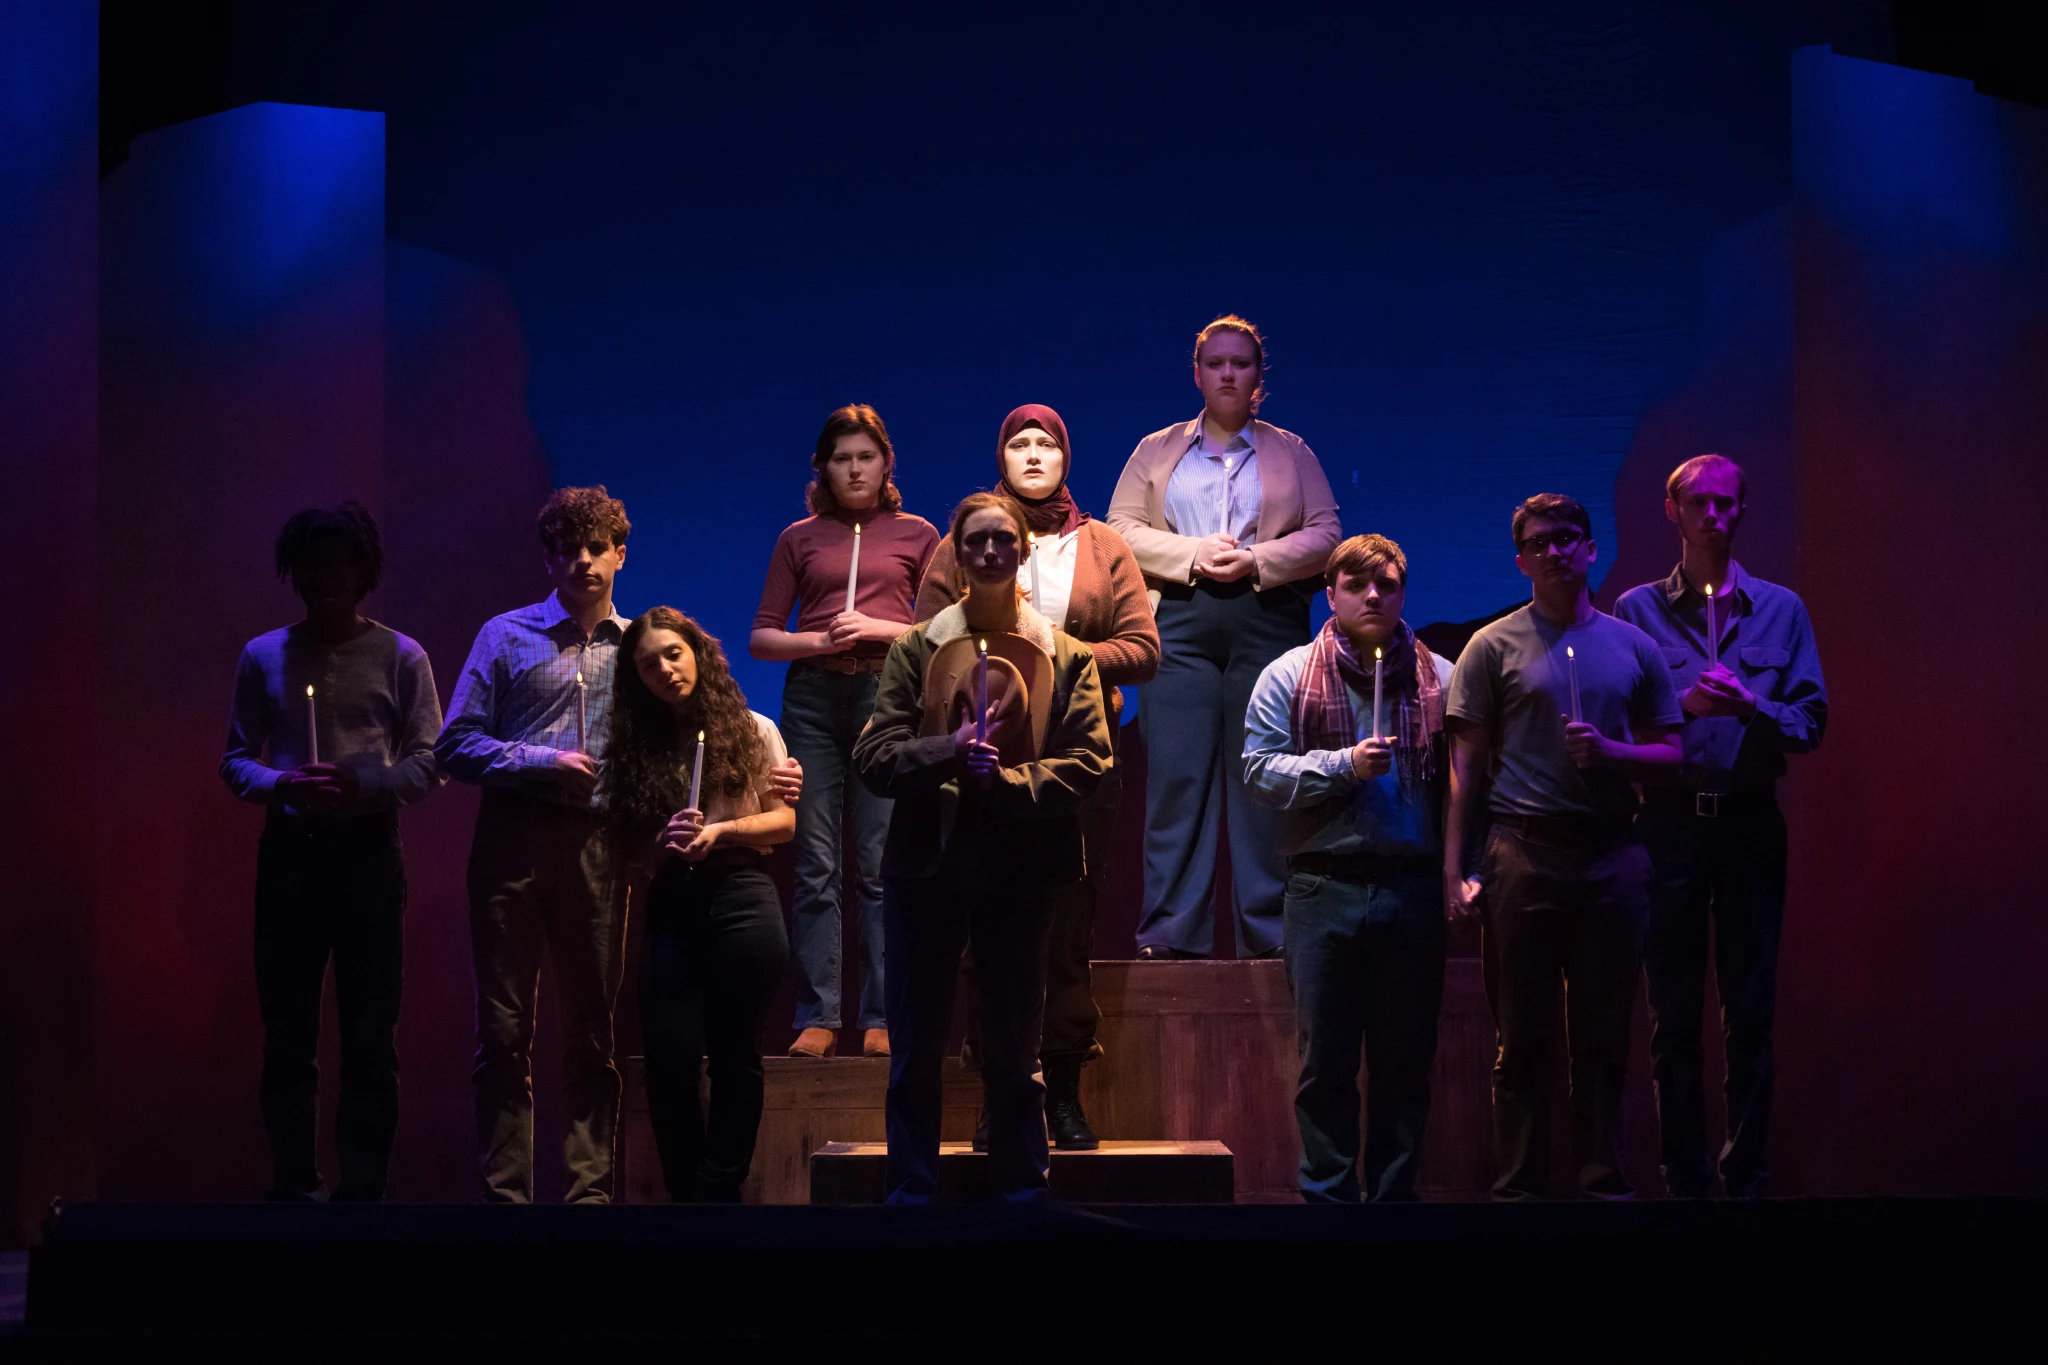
1065 1123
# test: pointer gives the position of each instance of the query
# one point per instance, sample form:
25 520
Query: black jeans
928 922
715 953
1365 959
1729 869
329 890
1565 906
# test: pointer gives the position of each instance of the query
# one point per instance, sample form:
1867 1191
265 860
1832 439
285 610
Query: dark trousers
1564 923
822 715
1729 870
1214 640
1071 1017
329 891
929 922
542 879
1365 960
714 957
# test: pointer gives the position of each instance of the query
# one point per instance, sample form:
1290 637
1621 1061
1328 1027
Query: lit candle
582 715
312 728
1713 635
697 772
1037 602
1379 683
1571 659
981 694
853 568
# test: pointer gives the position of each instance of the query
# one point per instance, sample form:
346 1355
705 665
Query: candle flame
700 736
579 677
982 645
856 528
1568 653
309 691
1710 589
1376 653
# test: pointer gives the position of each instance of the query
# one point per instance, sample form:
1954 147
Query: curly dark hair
351 521
853 419
574 515
647 767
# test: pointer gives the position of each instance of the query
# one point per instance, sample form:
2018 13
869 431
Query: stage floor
1666 1280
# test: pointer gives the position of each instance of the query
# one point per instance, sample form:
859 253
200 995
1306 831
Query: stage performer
1555 709
1346 734
990 758
688 784
1080 576
1231 520
1752 694
332 731
845 623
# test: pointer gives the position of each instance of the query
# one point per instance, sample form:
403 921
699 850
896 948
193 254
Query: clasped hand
982 760
1218 558
688 837
850 628
318 786
1461 898
1584 742
1719 693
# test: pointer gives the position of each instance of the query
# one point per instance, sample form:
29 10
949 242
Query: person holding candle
331 730
541 869
1232 520
1563 884
1362 788
689 787
983 833
1742 652
1083 578
847 614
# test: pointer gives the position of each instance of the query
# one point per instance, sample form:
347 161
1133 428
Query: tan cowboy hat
1019 692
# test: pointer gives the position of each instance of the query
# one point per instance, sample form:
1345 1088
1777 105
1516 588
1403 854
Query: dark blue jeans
714 956
330 891
1366 962
1007 919
1729 870
822 715
1214 640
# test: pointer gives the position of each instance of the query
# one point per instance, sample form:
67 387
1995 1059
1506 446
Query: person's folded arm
1275 775
1160 553
1304 551
241 761
466 749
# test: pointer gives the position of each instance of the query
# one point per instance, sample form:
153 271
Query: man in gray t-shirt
1556 710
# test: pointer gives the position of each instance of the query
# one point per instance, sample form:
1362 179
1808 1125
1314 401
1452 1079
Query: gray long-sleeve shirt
1767 641
373 701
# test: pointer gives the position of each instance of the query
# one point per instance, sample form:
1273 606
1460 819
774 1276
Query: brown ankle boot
875 1043
818 1043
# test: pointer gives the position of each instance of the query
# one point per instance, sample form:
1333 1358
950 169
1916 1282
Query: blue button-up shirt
1766 640
515 703
1215 487
1328 807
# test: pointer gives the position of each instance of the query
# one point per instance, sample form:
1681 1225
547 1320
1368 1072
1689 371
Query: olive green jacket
1025 826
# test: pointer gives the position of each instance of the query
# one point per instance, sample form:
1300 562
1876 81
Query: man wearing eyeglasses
1752 693
1555 710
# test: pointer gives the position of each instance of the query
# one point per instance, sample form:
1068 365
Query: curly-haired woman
715 943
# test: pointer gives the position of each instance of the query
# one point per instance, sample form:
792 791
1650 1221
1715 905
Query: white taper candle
582 715
312 728
1713 632
1571 659
853 569
1379 684
981 694
697 773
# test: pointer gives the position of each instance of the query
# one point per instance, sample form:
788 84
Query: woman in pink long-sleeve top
1232 520
846 621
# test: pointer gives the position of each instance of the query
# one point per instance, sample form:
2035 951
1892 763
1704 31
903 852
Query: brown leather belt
846 663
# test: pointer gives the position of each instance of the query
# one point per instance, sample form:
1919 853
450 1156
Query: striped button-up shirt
516 701
1215 487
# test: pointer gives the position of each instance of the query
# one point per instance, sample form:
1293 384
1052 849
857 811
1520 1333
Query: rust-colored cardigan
1107 608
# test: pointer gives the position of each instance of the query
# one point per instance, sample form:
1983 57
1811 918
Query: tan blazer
1298 524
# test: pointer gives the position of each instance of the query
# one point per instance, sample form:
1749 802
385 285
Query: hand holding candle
853 569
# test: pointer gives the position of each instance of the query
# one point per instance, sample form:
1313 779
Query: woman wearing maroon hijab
1081 576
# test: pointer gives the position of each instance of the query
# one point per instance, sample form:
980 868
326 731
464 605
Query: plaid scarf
1322 717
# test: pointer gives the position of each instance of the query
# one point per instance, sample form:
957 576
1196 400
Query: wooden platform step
1125 1172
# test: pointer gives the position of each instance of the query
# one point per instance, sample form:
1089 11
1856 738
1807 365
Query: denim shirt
1767 641
1215 487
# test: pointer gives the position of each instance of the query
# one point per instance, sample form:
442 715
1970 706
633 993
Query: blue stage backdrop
1474 232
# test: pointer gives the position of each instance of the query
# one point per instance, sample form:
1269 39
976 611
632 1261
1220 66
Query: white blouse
1049 575
722 806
